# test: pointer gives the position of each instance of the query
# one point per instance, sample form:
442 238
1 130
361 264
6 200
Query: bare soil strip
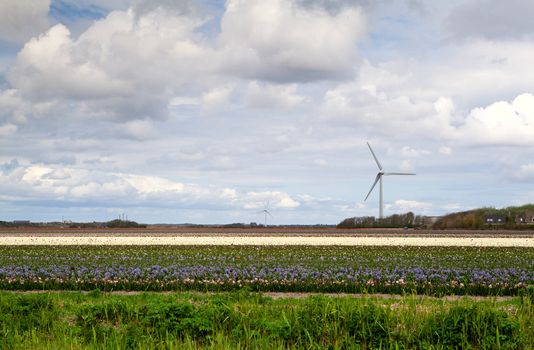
291 295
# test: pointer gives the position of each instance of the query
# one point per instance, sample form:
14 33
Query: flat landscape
265 288
376 261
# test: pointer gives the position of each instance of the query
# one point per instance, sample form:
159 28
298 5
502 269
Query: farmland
355 269
146 295
265 237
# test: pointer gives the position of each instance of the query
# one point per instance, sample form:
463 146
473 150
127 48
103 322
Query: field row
257 232
271 241
423 270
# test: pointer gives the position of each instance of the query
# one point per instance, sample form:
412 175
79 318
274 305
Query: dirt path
291 295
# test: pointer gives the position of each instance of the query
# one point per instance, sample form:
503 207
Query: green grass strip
244 320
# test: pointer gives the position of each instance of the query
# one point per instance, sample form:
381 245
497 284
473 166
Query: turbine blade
374 184
270 214
399 174
374 156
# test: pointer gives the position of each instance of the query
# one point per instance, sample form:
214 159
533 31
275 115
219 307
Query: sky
210 111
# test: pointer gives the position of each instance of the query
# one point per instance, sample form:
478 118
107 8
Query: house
494 219
525 218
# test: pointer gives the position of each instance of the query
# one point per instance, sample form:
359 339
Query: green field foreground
245 320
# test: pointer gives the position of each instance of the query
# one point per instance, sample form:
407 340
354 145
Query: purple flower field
423 270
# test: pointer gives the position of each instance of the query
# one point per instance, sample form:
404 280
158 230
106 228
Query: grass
232 315
245 320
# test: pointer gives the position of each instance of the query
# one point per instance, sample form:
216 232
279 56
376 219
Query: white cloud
13 107
217 97
152 184
271 40
444 106
272 199
378 101
410 205
272 96
53 66
74 184
7 129
500 123
137 129
57 174
22 19
125 66
407 151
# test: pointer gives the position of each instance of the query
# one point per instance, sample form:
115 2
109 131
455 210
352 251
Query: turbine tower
378 178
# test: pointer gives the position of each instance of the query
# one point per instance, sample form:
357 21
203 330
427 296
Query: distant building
494 219
525 218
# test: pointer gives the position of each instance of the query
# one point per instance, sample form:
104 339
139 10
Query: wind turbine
379 178
266 212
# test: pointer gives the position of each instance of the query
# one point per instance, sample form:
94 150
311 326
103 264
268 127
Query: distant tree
392 221
124 224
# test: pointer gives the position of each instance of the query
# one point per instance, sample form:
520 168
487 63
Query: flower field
356 269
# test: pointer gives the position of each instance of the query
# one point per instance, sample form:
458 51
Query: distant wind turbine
266 212
379 178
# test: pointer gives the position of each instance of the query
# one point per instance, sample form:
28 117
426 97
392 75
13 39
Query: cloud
501 123
58 174
273 199
271 40
137 130
13 107
407 151
48 67
270 96
382 102
410 205
85 187
377 101
217 98
492 19
22 19
7 129
124 66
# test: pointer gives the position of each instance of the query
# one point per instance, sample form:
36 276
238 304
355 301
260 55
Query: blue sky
205 111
